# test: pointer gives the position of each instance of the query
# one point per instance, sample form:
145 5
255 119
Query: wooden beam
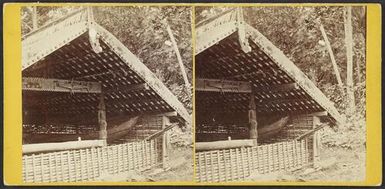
48 38
129 88
277 88
243 40
253 120
102 120
212 31
217 85
316 140
225 144
60 85
311 132
143 72
59 146
167 114
294 72
165 141
319 114
161 132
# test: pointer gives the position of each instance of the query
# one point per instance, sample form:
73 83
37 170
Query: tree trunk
34 18
335 67
182 68
349 57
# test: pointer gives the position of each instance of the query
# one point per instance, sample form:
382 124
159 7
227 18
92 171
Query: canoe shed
90 106
256 112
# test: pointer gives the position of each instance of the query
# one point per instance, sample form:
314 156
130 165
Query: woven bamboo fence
89 164
238 163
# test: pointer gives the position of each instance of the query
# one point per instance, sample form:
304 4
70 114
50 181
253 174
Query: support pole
165 142
316 141
102 120
253 120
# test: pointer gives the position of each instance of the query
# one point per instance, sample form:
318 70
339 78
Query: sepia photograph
192 94
280 93
106 94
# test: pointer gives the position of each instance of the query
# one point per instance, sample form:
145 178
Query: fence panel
238 163
88 164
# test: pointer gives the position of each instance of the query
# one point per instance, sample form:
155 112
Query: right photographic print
280 93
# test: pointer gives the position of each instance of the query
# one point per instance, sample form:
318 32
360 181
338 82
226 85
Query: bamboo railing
238 163
89 164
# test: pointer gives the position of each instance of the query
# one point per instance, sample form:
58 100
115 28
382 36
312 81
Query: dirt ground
178 166
336 164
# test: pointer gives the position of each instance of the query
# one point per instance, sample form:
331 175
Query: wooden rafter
60 85
276 88
69 28
58 33
294 72
138 67
215 30
129 88
216 36
216 85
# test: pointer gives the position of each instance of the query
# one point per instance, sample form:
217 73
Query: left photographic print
106 94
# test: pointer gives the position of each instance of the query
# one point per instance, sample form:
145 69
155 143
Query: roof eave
138 67
294 72
59 33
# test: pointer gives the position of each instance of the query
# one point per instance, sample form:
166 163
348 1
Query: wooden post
165 122
102 120
253 120
316 141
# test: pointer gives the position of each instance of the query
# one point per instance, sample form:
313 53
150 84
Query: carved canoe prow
273 128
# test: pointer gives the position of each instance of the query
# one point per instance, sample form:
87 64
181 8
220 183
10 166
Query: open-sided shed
80 81
247 89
